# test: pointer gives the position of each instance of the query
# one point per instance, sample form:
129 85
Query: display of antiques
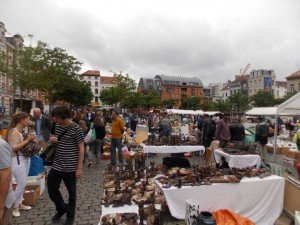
197 176
132 184
120 219
172 140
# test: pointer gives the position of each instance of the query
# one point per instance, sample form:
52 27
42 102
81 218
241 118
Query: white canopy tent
266 111
184 112
190 112
290 107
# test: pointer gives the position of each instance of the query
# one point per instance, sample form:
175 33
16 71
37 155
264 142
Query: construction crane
245 70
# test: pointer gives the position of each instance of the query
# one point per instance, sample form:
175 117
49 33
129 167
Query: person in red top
117 130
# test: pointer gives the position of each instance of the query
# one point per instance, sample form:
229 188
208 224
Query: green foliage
263 99
123 88
169 103
281 100
151 99
239 102
110 96
55 67
209 106
191 103
223 106
133 100
75 92
20 69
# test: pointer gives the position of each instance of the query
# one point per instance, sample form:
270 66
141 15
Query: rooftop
91 73
293 76
183 81
281 84
107 80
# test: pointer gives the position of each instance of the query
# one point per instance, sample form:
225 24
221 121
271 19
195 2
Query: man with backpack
261 137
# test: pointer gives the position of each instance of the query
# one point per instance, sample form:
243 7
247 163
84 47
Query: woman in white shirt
20 163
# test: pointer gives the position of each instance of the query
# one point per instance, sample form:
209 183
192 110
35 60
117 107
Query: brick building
172 87
9 96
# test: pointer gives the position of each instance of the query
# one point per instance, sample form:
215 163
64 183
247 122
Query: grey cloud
153 43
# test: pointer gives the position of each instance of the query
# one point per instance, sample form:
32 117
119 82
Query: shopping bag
91 136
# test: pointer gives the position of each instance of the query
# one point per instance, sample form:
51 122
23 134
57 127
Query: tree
55 66
281 100
169 103
263 99
191 103
223 106
151 99
110 96
19 69
209 106
75 92
239 102
133 100
124 85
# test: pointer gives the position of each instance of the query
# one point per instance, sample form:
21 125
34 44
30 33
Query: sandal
25 208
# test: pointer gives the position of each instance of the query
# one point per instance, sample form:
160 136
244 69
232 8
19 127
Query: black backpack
264 130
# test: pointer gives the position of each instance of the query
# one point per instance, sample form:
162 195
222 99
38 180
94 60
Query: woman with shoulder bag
95 146
20 162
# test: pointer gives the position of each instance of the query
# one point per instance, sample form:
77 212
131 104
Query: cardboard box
283 220
31 195
285 150
291 195
37 180
289 161
291 155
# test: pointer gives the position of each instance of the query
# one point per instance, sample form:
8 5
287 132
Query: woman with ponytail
20 163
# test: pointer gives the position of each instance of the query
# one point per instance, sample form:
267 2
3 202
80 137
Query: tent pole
275 136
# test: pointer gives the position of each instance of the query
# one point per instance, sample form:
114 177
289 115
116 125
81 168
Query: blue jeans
116 144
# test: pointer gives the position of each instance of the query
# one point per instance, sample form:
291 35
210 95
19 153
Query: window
89 82
177 82
166 82
191 83
173 82
96 99
183 83
89 77
277 93
96 78
193 91
292 88
96 83
96 91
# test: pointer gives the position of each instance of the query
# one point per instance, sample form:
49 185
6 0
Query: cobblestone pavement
89 192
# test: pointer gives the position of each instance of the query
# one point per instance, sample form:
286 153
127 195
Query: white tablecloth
172 149
238 161
260 200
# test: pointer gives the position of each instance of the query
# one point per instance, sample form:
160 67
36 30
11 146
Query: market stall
172 149
238 161
291 107
260 200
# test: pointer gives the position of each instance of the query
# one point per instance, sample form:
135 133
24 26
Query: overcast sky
210 39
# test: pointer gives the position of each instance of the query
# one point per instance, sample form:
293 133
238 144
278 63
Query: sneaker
57 216
16 213
69 221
